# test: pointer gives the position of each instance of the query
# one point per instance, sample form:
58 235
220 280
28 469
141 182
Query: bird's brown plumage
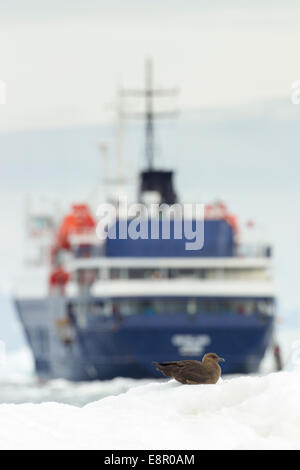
206 371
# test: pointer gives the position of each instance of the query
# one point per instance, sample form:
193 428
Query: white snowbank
239 413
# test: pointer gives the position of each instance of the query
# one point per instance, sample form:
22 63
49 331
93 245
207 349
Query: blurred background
234 64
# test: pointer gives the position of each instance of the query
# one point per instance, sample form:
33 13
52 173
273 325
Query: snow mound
239 413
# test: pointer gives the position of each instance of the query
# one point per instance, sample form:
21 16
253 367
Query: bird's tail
163 367
162 364
158 365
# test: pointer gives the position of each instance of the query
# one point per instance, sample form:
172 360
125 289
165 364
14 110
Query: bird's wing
196 374
177 364
171 363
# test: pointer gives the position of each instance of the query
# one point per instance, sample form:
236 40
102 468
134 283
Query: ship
109 305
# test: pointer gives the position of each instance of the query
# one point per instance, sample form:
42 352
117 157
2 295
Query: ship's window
96 308
140 273
87 251
97 250
183 273
191 307
86 277
83 251
145 273
115 273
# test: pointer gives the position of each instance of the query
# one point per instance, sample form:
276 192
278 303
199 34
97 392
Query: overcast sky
62 61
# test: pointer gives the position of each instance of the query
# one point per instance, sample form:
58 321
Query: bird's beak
221 359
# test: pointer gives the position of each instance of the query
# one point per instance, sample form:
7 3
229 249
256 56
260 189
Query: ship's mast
149 93
149 150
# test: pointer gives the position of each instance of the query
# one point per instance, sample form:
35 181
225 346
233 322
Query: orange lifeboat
218 211
79 221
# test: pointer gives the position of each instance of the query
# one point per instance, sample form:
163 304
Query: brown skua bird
193 372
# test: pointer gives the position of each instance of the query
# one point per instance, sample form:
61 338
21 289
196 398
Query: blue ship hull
100 348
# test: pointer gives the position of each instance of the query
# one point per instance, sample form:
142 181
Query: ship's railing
168 263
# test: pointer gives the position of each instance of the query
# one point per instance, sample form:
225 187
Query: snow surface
246 412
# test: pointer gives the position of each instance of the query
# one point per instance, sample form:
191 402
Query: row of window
126 307
88 276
